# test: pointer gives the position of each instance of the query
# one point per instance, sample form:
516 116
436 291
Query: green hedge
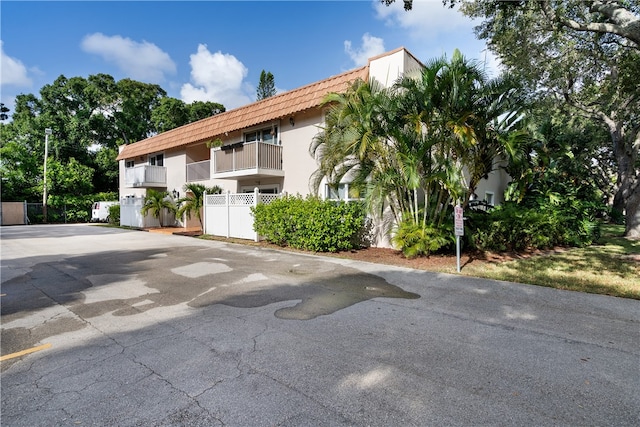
515 227
311 224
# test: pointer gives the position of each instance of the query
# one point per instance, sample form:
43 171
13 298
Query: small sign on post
459 220
458 223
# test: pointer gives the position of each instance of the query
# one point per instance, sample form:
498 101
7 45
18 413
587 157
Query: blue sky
215 50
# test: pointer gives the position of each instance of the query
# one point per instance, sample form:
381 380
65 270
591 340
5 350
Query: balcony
145 176
256 159
199 171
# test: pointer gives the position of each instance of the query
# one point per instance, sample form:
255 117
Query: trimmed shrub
114 215
311 224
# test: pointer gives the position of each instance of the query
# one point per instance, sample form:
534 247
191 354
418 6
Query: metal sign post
458 213
47 132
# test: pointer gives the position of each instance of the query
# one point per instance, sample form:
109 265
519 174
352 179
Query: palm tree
156 202
193 202
354 140
406 146
468 120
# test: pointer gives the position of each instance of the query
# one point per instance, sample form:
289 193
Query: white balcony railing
146 176
251 157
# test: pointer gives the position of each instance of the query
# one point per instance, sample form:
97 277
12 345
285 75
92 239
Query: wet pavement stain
323 293
129 283
324 300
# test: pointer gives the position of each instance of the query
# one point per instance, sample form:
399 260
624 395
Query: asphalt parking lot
110 327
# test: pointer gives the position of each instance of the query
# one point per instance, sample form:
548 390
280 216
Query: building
263 145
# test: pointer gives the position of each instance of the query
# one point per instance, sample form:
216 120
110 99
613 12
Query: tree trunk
625 150
632 208
618 202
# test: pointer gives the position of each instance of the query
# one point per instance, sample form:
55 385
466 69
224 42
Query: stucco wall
495 183
297 163
387 69
175 162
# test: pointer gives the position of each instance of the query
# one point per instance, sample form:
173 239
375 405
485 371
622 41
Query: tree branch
624 23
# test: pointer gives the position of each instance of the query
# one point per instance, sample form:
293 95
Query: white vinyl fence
229 215
130 214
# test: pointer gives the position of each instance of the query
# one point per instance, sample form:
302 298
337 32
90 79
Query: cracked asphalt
141 329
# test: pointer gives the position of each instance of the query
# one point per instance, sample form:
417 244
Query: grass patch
610 267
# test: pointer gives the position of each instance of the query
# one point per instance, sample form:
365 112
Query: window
251 137
129 163
340 193
488 197
270 136
267 135
333 193
156 160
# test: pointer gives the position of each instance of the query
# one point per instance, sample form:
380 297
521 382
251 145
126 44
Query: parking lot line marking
27 351
3 295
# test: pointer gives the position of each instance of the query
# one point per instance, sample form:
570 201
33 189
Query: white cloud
217 77
12 70
371 46
427 18
437 30
140 61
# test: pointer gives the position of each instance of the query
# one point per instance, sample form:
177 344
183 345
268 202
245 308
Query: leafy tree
20 169
132 112
563 146
598 16
606 17
70 177
90 117
585 56
467 119
156 202
199 110
408 4
106 169
67 107
170 113
193 202
266 86
3 112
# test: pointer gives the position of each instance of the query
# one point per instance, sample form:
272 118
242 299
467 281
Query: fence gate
130 212
229 214
13 213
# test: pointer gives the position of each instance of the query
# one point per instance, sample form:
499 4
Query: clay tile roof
278 106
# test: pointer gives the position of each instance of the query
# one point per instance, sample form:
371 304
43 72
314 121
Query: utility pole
47 132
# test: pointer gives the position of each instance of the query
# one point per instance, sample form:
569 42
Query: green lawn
611 267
